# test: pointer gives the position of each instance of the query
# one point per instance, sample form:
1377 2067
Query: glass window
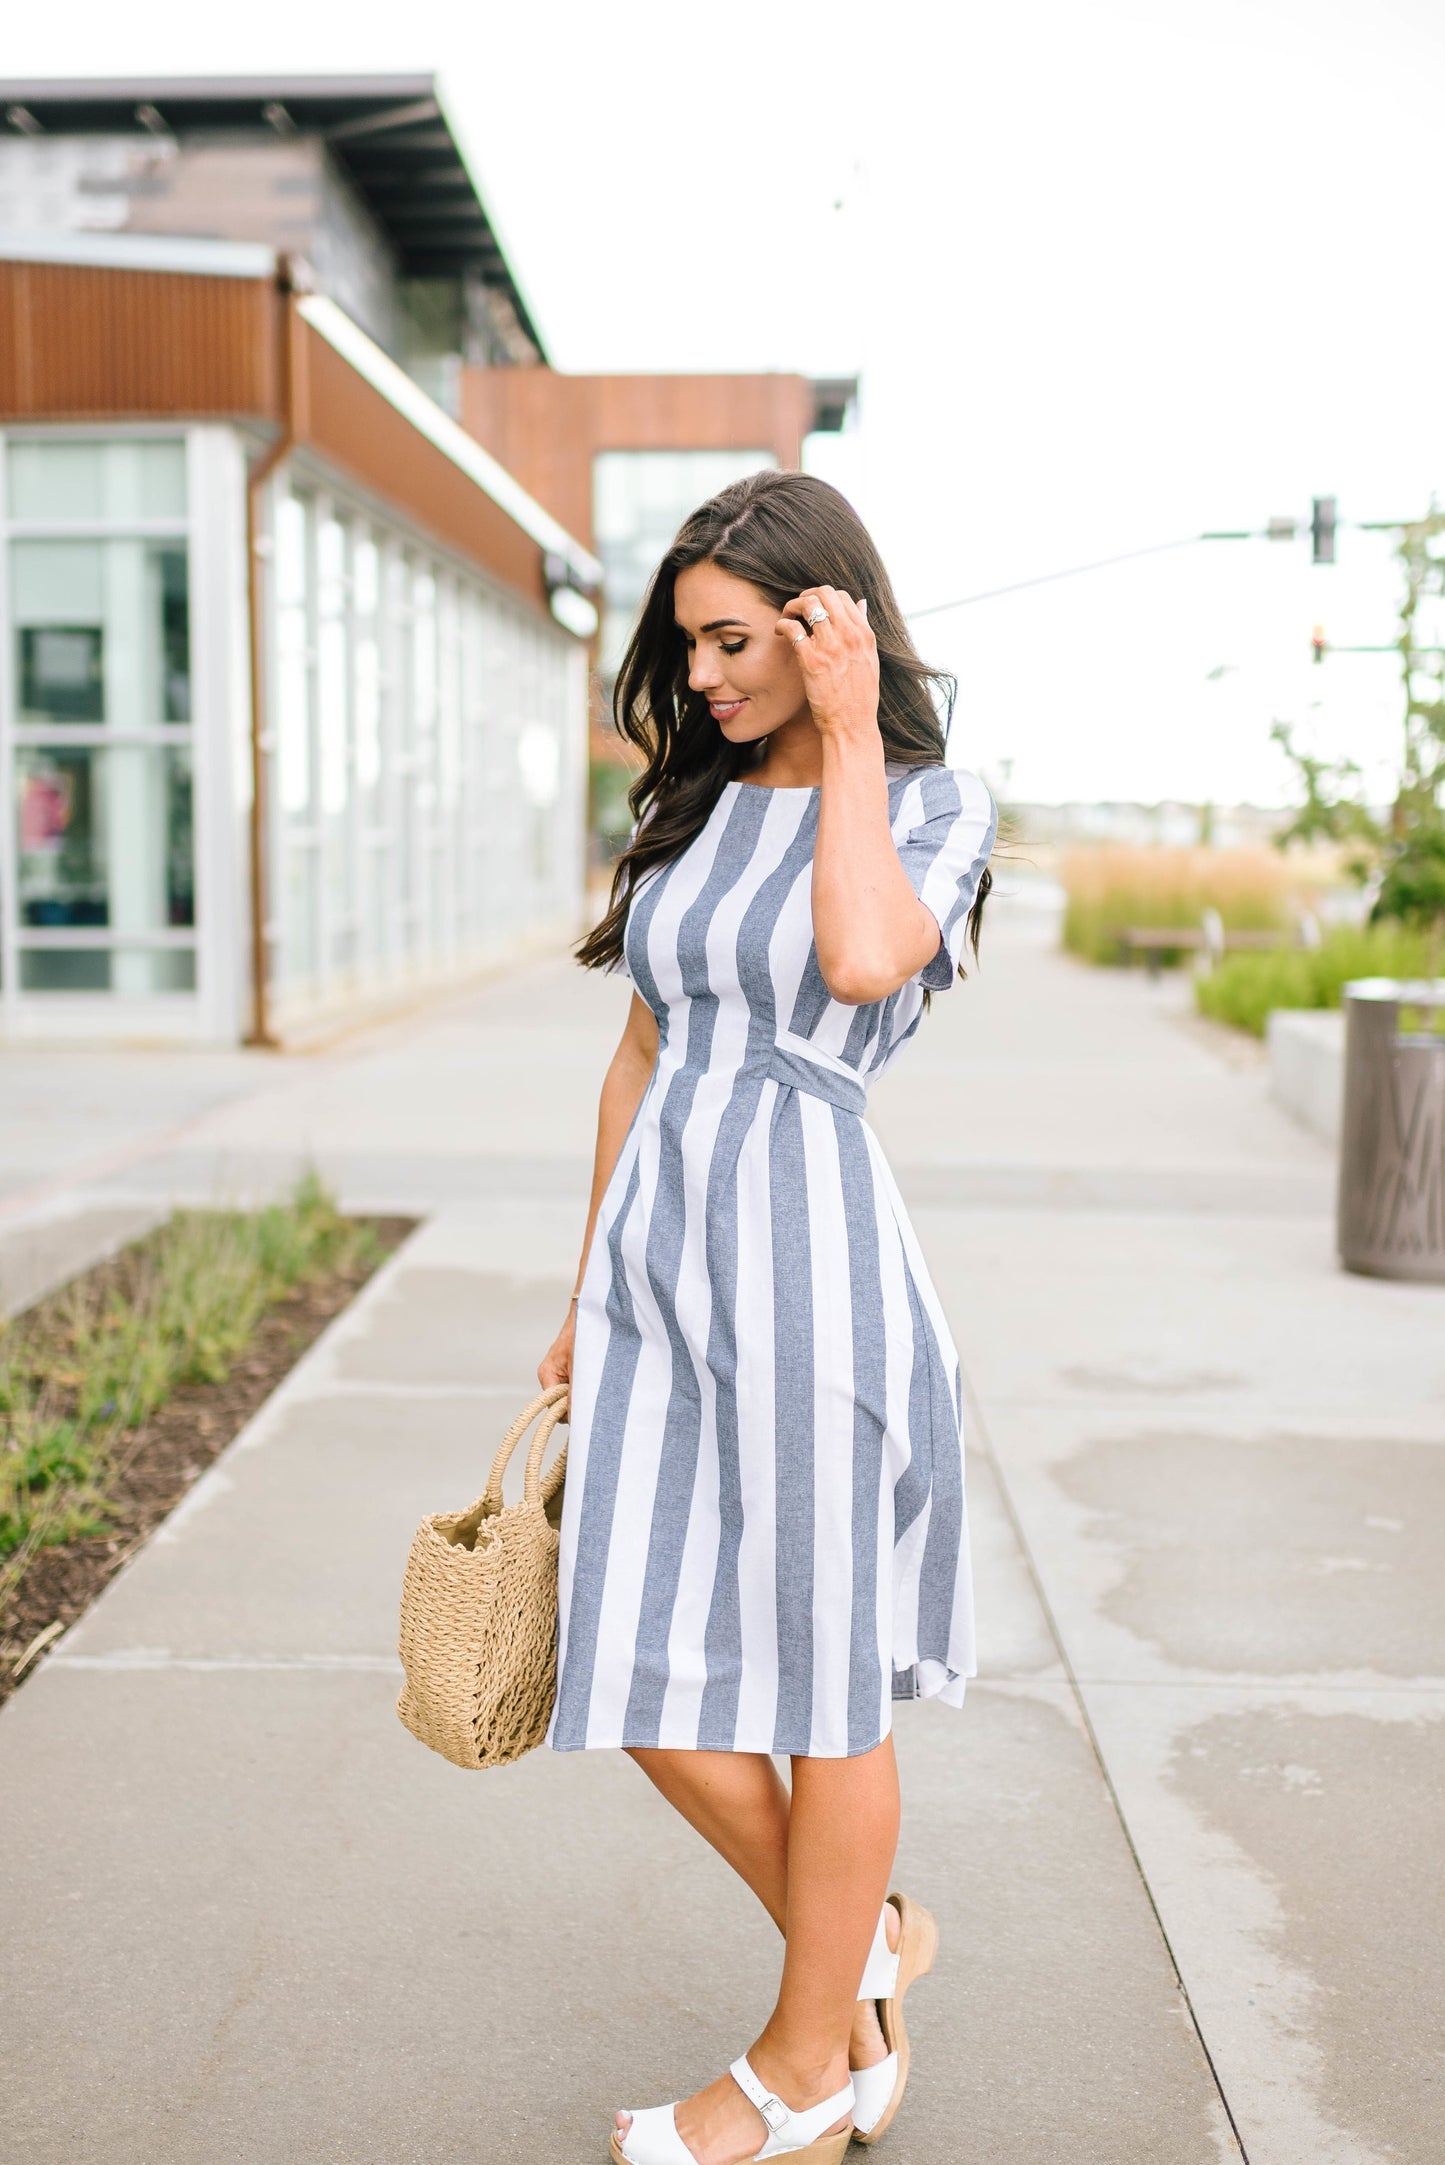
300 945
426 756
135 970
99 637
331 672
448 768
539 764
424 650
639 500
293 655
368 725
331 713
366 672
117 483
61 674
366 574
397 611
104 837
292 576
102 632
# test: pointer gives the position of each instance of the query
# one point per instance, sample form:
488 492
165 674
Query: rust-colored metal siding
79 343
546 428
82 343
350 424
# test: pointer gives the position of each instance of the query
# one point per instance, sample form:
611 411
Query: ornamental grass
1114 887
178 1307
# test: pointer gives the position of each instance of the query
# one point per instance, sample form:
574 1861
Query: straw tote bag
479 1610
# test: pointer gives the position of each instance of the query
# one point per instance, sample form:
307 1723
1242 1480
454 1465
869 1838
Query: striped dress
764 1539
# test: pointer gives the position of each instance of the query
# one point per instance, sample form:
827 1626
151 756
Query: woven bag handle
552 1405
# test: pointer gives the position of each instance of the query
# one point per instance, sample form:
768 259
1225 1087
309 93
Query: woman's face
737 658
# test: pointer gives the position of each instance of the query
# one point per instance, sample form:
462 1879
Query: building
360 177
621 461
301 547
287 716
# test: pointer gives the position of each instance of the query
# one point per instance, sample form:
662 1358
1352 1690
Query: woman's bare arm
871 931
622 1091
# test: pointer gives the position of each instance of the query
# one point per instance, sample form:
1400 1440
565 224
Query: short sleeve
949 823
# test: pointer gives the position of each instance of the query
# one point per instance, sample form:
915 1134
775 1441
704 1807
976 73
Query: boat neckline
780 789
807 789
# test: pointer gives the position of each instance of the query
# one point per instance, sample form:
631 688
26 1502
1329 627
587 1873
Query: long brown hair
780 531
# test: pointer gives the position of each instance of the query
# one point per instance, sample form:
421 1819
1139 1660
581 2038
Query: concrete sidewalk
250 1919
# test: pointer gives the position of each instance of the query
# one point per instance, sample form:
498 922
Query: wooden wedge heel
878 2090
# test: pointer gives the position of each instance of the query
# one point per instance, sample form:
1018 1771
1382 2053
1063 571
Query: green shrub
1413 888
1243 989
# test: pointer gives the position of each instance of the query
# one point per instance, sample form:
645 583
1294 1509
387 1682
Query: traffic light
1322 530
1317 642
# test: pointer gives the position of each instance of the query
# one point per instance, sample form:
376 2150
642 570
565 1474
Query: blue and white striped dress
764 1539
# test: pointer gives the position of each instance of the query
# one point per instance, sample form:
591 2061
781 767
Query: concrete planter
1307 1067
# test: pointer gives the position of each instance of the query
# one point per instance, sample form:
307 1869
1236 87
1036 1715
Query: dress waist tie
804 1066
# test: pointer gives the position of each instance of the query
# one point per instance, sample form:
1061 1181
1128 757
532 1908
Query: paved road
1183 1840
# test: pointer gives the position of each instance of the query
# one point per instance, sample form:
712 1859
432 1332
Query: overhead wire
1072 571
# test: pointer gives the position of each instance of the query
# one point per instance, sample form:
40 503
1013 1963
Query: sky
1110 276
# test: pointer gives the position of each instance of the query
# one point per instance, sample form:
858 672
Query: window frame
16 938
440 854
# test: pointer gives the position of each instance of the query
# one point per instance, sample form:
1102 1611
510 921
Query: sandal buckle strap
773 2110
787 2129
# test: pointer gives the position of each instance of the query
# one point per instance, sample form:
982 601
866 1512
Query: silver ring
817 614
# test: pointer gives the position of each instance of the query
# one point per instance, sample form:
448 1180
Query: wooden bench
1154 942
1209 939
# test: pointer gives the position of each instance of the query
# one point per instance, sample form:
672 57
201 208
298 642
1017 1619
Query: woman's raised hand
555 1365
838 656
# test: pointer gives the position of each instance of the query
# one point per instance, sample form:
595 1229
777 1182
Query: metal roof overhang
390 135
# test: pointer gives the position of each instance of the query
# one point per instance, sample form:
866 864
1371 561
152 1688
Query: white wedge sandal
653 2139
878 2091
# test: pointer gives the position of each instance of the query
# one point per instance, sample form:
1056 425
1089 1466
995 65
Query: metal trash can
1392 1143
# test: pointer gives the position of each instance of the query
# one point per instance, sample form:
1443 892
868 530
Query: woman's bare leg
738 1802
842 1836
842 1830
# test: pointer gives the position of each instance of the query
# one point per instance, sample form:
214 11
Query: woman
763 1533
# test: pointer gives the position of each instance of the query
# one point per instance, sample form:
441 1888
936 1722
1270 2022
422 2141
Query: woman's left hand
838 656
